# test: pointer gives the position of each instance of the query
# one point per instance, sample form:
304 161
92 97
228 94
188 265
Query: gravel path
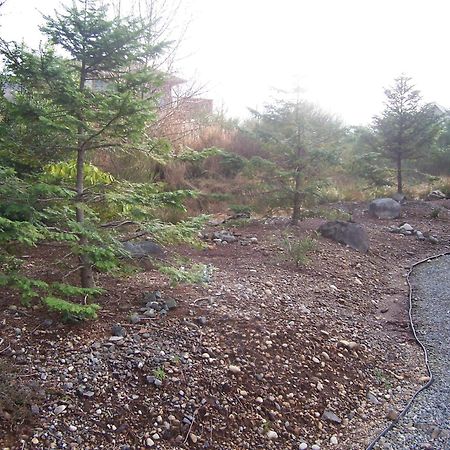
427 424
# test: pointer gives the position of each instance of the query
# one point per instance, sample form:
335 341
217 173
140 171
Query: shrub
299 250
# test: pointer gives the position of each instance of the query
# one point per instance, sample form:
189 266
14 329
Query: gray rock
224 236
349 233
331 417
436 195
201 320
152 296
170 303
385 208
118 330
420 235
406 227
35 410
399 197
141 249
59 409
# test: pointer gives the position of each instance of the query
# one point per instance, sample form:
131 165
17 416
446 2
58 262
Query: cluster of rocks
154 305
225 237
408 230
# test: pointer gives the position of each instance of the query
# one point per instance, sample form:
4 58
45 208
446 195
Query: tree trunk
399 174
86 273
297 199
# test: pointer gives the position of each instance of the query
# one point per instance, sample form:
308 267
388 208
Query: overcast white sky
341 52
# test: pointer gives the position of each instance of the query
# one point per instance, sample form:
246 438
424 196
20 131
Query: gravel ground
427 424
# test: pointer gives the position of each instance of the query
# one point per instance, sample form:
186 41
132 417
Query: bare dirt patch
267 355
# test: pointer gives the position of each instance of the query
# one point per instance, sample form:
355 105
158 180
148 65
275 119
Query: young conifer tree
88 89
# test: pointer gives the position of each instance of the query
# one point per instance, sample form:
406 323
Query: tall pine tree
406 127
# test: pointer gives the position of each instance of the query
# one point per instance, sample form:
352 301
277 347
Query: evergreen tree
301 138
405 130
94 99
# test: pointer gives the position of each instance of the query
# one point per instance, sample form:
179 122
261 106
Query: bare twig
190 426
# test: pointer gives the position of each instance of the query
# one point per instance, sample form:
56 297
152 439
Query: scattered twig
71 272
190 426
6 348
201 299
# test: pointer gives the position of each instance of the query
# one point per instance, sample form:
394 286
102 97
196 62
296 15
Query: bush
299 250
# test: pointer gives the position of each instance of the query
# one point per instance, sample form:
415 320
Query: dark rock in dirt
384 208
331 417
224 236
349 233
118 330
170 303
152 296
143 248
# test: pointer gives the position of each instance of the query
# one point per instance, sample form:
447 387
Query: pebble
303 446
59 409
272 435
234 369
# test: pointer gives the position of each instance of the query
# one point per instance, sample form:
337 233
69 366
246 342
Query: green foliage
30 289
66 172
187 273
231 164
69 309
299 250
301 140
406 129
160 374
240 209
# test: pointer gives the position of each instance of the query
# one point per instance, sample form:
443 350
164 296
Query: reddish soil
303 340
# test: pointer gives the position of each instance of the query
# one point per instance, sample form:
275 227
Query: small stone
134 318
59 409
259 400
334 440
303 446
194 438
205 356
35 441
149 442
118 330
392 414
331 417
35 410
170 303
72 428
315 447
234 369
272 435
406 227
372 398
201 320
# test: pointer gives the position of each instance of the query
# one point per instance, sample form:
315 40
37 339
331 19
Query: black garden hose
371 446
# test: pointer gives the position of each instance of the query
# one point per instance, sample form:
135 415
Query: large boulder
385 208
141 249
352 234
